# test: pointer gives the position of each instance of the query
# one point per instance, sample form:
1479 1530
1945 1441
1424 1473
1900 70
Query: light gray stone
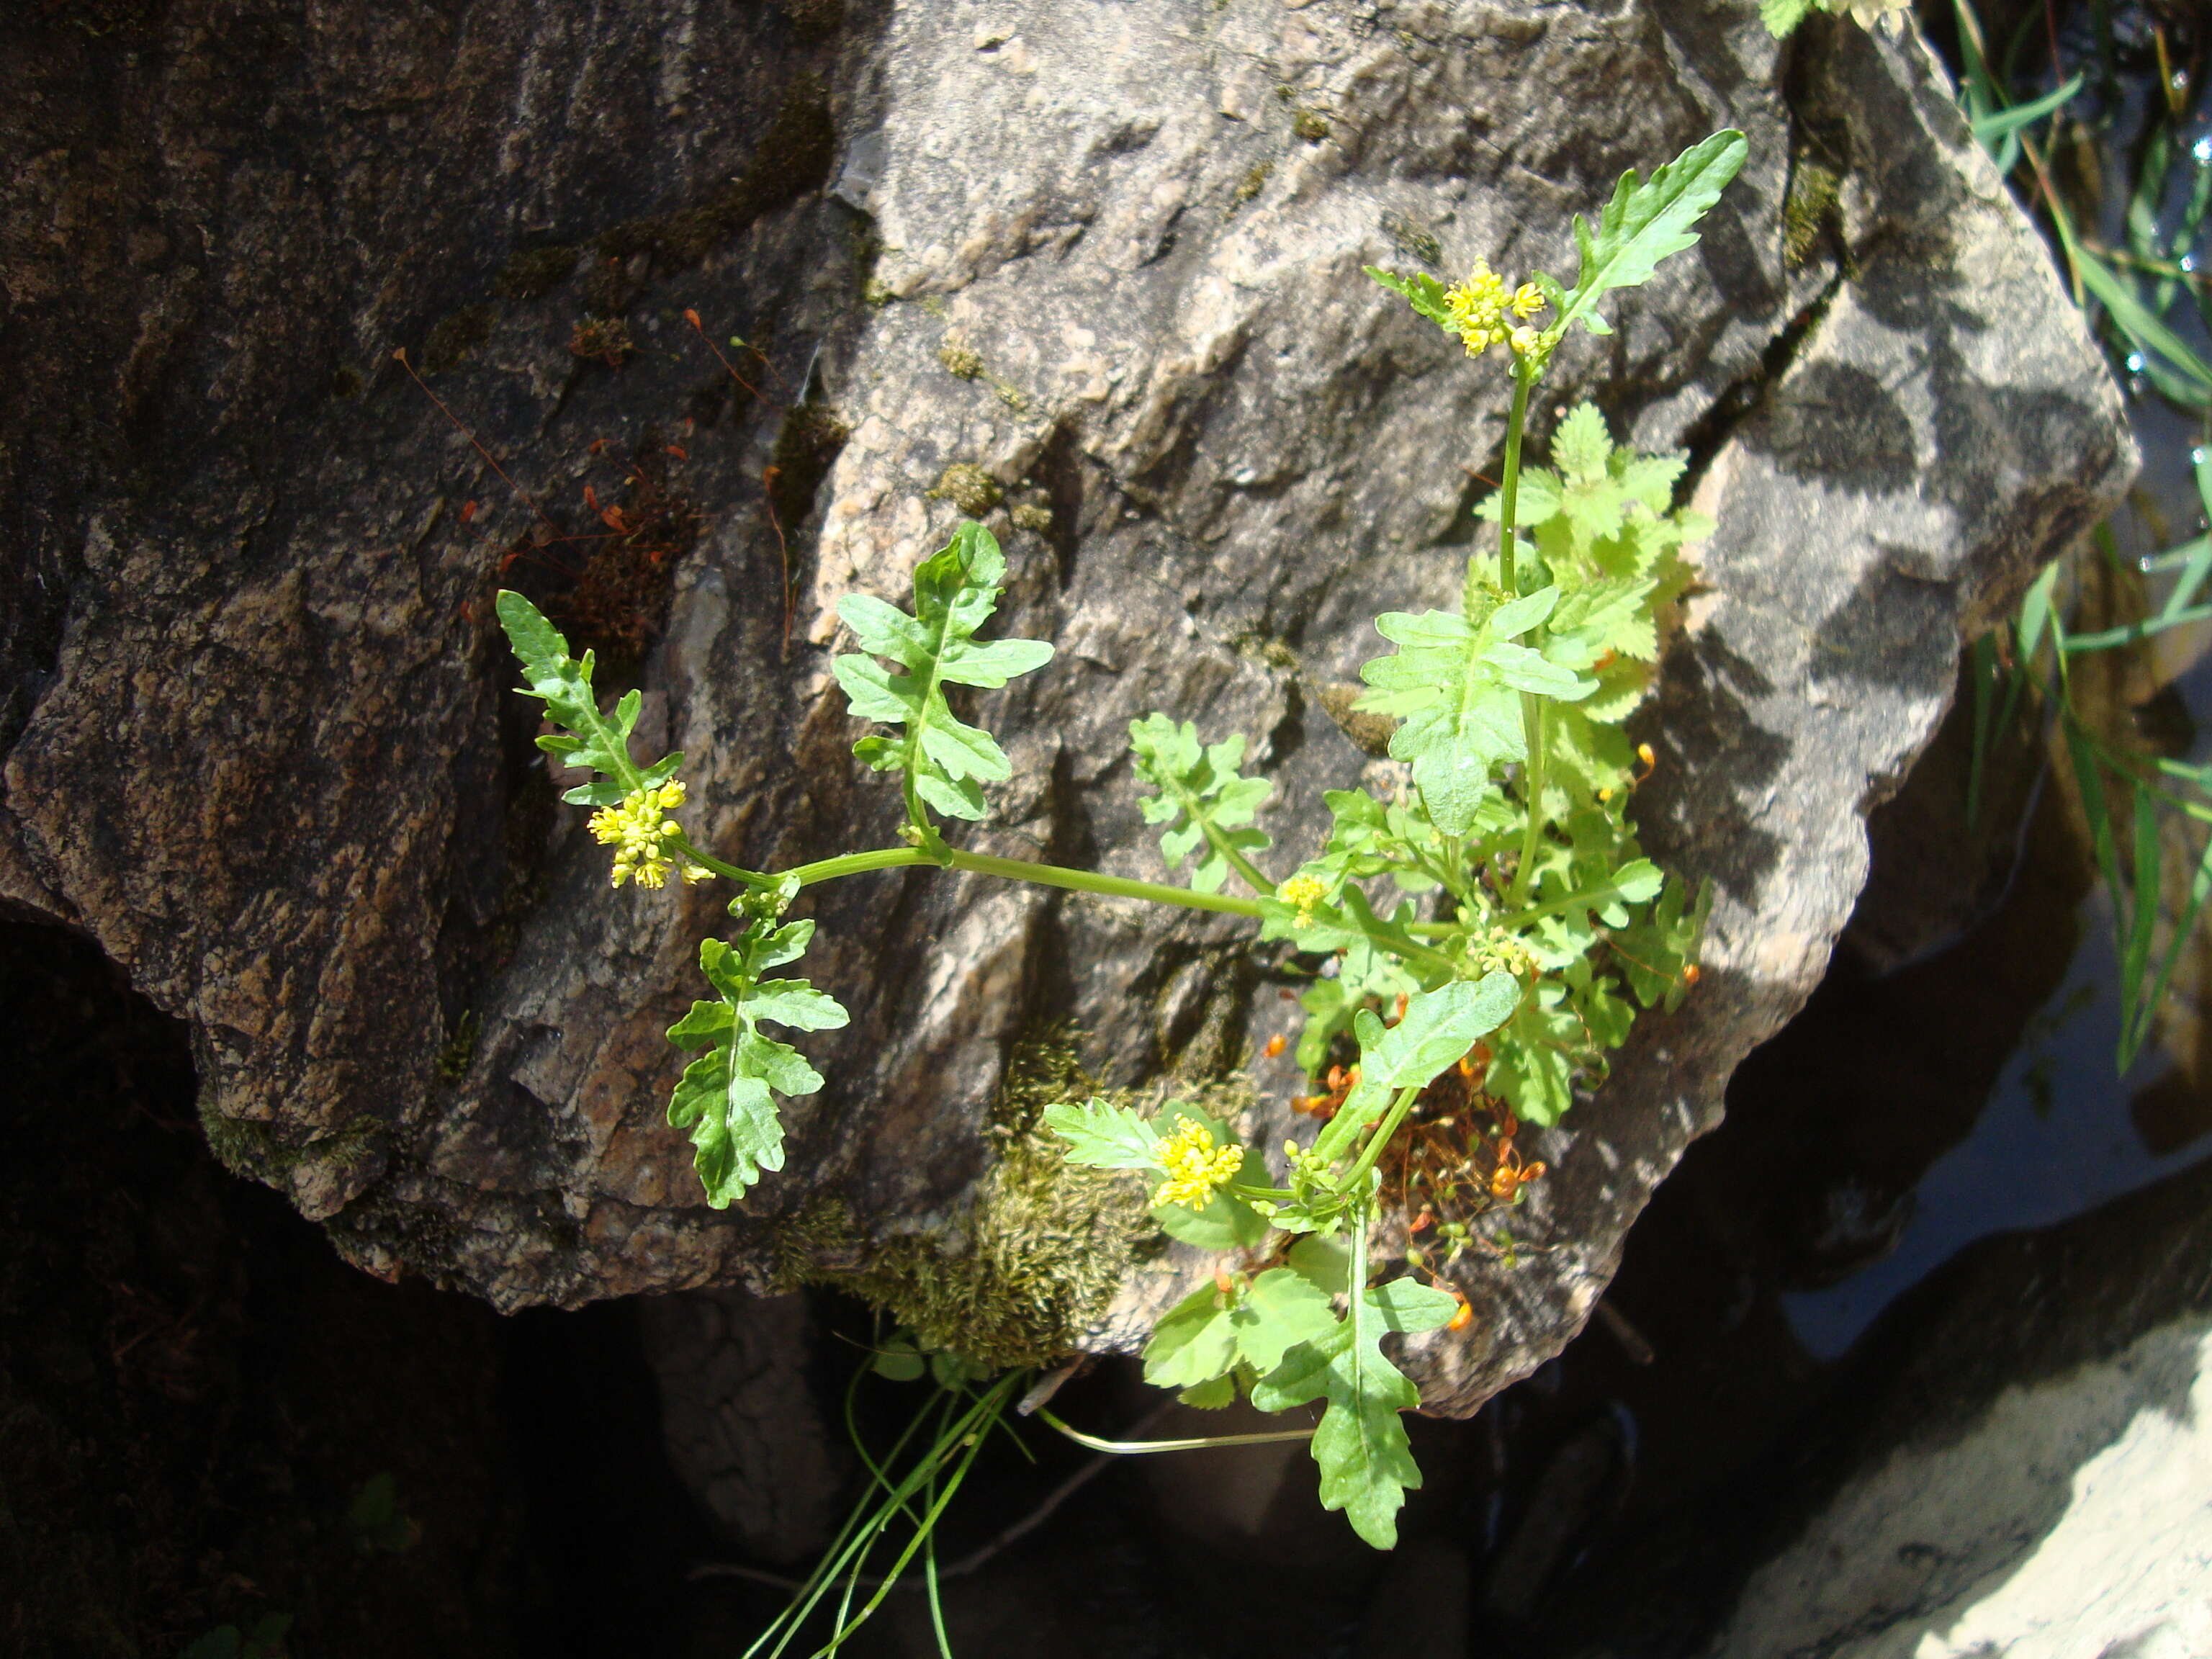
266 754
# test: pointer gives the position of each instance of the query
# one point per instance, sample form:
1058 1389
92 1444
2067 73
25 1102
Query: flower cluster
1196 1167
1305 892
1502 949
645 840
1486 314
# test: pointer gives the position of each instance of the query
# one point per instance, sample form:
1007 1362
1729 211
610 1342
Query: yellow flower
1477 308
1528 301
644 836
1525 340
1196 1167
1305 892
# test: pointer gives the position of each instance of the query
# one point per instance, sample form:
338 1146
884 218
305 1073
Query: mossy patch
807 445
1017 1279
793 156
258 1151
604 339
968 487
531 273
1310 125
961 361
1809 207
456 338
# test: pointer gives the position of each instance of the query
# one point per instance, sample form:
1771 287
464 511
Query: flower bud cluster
647 842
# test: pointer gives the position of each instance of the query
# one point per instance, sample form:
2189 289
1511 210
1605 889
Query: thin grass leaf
2133 320
2184 928
2133 633
2135 957
2003 123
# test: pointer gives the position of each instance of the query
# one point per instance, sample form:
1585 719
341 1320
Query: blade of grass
2135 957
2002 122
2184 928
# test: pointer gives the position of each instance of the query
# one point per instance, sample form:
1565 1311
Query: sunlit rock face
261 743
2019 1465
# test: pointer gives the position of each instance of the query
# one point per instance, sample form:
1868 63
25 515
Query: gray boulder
1091 269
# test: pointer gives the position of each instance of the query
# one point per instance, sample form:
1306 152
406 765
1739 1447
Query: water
2056 1138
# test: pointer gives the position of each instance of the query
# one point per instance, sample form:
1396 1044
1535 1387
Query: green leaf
898 1360
1648 221
1194 1342
1212 1332
587 740
1204 800
1225 1223
1781 16
2143 329
1437 1028
1421 291
942 759
1283 1308
1457 685
1105 1137
1366 1462
1210 1396
727 1097
1533 1068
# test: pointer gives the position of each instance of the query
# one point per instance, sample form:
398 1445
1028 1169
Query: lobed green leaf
727 1097
1203 796
942 759
1647 221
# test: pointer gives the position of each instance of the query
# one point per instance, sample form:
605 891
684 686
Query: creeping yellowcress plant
1494 913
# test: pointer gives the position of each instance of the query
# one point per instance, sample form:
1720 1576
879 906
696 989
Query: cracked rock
260 741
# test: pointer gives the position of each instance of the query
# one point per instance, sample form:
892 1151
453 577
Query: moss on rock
1016 1281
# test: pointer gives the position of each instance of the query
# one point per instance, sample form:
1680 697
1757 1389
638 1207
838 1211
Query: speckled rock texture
2020 1470
1101 259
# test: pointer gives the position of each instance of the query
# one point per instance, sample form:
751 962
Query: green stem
1252 876
1372 1150
1132 1448
1597 895
727 872
1509 492
1534 722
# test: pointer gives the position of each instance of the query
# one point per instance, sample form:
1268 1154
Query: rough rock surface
1941 1553
259 742
2031 1479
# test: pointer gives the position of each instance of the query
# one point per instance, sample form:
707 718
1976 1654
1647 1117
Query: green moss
244 1147
455 338
261 1151
968 487
531 273
1029 516
1041 1251
963 361
793 157
807 445
453 1055
1250 185
1815 188
1411 239
1310 125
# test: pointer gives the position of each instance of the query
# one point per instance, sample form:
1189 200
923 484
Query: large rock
1103 261
2021 1468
